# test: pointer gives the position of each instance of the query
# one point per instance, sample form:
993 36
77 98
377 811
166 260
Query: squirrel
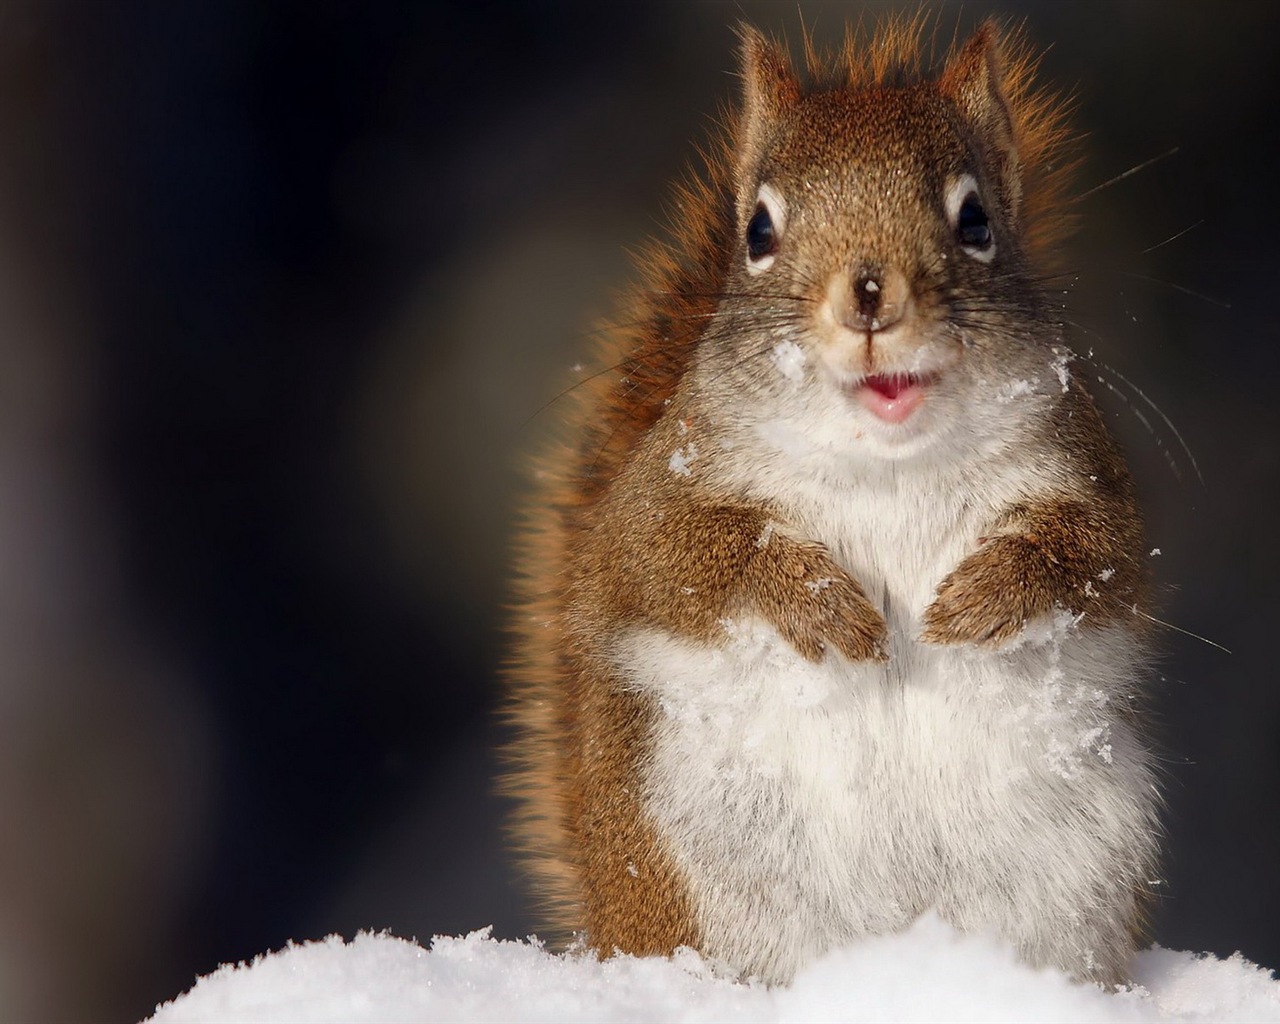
831 602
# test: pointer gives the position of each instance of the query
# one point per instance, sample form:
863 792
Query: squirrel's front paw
991 595
813 603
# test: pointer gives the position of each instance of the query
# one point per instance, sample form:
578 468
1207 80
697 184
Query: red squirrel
830 603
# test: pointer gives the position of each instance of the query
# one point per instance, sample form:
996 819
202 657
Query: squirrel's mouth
892 397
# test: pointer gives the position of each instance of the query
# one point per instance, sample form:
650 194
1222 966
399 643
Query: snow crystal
1059 366
1017 389
1106 574
1046 630
1060 719
820 584
929 972
789 358
766 535
1154 552
1095 739
1064 756
680 459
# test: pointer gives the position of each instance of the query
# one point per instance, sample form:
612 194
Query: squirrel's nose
879 300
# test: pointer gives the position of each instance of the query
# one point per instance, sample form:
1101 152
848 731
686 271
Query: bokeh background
283 288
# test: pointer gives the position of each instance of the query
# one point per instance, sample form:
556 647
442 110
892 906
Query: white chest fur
807 804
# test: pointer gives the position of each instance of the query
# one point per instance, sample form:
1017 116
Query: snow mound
929 973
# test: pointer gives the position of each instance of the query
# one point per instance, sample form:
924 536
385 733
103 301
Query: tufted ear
769 89
973 81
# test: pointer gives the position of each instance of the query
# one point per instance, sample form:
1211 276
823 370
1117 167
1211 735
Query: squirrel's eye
972 229
968 219
761 238
765 229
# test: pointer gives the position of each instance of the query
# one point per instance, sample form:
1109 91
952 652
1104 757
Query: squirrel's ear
973 81
769 89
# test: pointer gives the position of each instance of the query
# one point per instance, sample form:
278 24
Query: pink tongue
890 385
891 397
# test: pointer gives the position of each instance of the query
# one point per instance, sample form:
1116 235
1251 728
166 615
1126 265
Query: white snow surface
928 973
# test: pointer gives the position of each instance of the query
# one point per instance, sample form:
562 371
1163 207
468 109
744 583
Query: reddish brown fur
581 735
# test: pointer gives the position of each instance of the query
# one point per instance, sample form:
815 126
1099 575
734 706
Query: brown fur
695 558
1079 553
596 861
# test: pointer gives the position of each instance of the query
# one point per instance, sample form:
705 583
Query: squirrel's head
885 229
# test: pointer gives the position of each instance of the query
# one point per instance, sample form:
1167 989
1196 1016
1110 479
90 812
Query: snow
790 360
1059 366
1017 389
928 973
680 459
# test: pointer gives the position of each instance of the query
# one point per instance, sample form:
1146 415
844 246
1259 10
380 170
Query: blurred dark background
282 287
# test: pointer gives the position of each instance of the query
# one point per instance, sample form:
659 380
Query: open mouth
893 397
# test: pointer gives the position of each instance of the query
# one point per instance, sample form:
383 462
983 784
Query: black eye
761 238
971 225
